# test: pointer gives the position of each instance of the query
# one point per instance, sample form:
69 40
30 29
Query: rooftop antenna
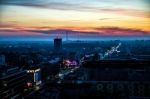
58 35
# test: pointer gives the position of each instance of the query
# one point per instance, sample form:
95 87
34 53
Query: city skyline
86 18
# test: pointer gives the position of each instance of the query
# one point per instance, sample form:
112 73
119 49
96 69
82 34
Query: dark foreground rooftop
132 64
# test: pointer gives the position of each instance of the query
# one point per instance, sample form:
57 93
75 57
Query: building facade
12 82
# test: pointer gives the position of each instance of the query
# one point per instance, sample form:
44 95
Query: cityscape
66 49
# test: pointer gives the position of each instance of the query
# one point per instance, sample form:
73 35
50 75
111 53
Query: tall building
12 82
58 44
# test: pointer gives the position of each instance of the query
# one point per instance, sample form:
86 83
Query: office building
34 77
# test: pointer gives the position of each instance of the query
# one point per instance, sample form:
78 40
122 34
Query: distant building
12 82
57 44
2 60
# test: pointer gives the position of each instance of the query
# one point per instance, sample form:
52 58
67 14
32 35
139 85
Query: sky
86 18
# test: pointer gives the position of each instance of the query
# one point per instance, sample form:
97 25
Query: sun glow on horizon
77 16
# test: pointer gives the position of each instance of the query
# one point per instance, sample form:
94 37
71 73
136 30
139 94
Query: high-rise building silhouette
57 43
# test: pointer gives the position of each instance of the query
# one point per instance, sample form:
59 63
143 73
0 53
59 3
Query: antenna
58 36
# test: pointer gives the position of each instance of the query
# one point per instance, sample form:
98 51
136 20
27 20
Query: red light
29 84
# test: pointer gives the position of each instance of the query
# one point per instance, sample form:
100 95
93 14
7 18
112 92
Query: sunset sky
103 17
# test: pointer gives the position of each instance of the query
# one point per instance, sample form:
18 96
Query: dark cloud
40 4
105 31
99 32
116 19
62 31
122 31
72 6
